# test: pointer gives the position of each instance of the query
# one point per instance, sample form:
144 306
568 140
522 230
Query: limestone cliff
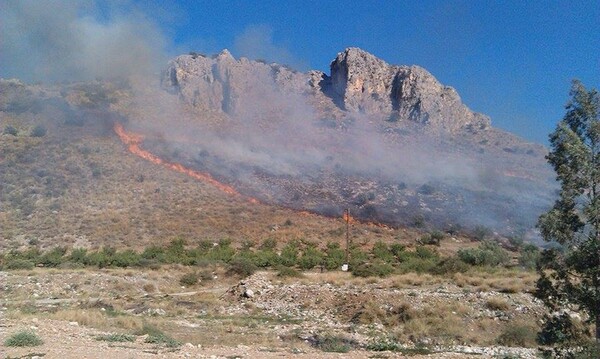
359 82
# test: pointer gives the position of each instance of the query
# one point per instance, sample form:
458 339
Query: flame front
347 217
133 141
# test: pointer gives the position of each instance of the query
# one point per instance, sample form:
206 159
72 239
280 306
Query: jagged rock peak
365 83
359 82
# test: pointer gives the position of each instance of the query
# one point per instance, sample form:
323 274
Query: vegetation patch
157 336
334 343
116 338
25 338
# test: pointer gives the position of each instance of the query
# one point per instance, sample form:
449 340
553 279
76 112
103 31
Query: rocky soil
261 316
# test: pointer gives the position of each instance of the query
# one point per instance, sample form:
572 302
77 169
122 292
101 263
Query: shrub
383 344
242 267
78 255
222 252
487 254
382 252
357 257
116 338
450 265
18 263
175 251
154 252
269 243
53 258
432 238
25 338
334 256
265 258
481 232
38 131
530 255
289 255
518 336
376 269
156 336
10 130
189 279
311 258
333 344
126 258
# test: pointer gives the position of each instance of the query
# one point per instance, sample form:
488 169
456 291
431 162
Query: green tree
570 274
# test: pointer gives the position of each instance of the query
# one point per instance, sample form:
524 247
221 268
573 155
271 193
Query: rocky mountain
390 142
359 83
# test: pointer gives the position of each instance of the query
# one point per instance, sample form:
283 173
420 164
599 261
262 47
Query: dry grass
501 280
497 303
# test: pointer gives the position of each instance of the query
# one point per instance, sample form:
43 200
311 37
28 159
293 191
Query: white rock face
368 84
359 82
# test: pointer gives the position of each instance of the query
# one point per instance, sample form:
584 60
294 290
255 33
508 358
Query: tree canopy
570 273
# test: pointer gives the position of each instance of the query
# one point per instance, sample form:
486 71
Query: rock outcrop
359 82
235 87
367 84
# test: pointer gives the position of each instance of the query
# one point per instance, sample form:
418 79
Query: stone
248 293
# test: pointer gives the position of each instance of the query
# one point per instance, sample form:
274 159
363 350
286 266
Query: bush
10 130
383 344
25 338
432 238
518 336
333 344
126 258
481 232
289 255
222 252
334 256
487 254
382 252
269 243
530 255
156 336
242 267
17 263
154 252
265 258
78 255
38 131
189 279
450 265
311 258
54 258
376 269
116 338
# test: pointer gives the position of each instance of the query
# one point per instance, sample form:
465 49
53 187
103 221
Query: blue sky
512 60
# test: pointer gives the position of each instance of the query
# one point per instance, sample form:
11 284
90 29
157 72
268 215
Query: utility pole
347 218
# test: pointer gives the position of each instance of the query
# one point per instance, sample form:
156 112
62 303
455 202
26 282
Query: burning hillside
309 142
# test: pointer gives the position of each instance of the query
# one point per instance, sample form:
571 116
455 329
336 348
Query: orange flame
133 141
347 217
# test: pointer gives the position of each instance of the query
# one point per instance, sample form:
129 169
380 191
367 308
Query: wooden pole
347 210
